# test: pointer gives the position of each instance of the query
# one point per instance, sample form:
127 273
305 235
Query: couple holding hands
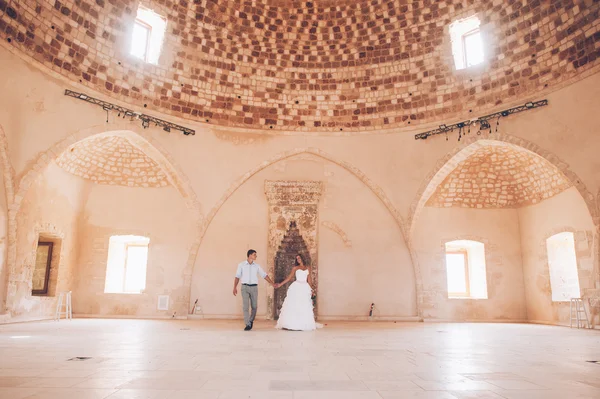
297 309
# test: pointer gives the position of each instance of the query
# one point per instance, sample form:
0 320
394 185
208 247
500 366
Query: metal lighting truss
146 119
483 121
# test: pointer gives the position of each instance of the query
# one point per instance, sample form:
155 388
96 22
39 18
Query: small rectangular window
41 271
135 268
457 269
140 40
467 43
126 265
562 262
473 48
465 269
147 35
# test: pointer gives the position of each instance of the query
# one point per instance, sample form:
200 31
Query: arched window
126 265
465 269
562 262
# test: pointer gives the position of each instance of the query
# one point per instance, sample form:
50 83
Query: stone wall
292 205
499 177
112 160
316 66
3 238
50 209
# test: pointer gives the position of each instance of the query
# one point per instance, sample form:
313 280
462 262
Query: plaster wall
498 230
565 212
364 260
157 213
39 121
50 208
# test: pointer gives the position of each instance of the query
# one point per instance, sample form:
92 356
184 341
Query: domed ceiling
319 66
499 177
112 160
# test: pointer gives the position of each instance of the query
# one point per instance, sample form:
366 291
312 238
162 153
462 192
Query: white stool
68 309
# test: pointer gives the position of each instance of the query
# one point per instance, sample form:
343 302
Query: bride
297 309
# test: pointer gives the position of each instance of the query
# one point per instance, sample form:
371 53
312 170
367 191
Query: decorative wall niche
293 228
285 259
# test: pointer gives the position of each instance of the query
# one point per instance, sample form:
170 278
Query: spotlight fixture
146 119
483 121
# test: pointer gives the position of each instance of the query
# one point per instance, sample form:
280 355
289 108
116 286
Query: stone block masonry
326 66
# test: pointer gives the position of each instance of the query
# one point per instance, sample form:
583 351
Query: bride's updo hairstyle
296 260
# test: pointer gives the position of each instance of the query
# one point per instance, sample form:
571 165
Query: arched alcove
511 193
91 186
351 277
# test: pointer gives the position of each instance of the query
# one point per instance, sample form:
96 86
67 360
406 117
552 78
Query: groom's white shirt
248 273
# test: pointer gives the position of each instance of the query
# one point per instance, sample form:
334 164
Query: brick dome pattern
499 177
319 66
112 160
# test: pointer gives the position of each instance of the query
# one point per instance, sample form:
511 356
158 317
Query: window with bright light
147 35
457 270
467 44
465 269
126 265
140 40
562 262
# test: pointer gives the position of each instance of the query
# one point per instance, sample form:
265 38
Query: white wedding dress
297 309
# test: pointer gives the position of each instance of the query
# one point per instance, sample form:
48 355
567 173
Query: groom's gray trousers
249 294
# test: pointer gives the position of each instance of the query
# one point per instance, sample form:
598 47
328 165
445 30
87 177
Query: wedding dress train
297 310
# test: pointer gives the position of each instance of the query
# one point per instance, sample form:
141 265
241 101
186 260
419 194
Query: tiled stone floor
135 359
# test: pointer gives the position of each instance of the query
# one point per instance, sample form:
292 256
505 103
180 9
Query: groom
247 272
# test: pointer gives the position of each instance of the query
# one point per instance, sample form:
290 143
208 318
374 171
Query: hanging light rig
125 112
464 127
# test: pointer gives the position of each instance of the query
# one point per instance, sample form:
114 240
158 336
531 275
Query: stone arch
447 164
137 138
468 147
7 169
596 242
288 154
9 187
347 166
